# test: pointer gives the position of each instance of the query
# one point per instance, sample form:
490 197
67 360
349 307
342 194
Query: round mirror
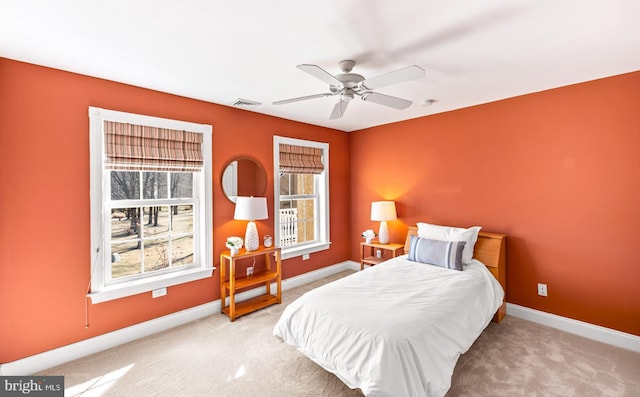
243 177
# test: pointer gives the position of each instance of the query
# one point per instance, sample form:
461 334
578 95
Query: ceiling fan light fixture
347 96
348 85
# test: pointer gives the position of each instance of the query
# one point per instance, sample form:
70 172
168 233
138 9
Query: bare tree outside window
150 237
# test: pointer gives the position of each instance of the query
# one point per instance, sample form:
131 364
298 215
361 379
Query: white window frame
321 181
101 290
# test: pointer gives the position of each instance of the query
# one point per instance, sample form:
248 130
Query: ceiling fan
349 85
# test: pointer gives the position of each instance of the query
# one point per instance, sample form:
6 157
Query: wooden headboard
490 249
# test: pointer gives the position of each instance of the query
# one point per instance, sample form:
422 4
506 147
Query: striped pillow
446 254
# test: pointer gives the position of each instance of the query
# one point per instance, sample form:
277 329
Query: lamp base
251 240
383 233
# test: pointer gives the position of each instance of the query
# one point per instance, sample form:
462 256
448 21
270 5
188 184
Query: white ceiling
473 51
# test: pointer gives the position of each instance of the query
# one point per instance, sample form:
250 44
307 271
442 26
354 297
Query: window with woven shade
150 204
296 159
301 196
138 147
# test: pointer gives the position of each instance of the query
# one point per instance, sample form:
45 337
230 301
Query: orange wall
44 201
557 171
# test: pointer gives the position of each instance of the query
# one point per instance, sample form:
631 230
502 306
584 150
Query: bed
398 328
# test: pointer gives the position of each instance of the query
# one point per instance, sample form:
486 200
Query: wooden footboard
490 249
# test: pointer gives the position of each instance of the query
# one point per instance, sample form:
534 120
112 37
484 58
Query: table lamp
383 211
251 209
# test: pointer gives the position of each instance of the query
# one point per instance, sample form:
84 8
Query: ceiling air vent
246 102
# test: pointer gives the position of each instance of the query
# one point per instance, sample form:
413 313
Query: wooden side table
369 252
232 283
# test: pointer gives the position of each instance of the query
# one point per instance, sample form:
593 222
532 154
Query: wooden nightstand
368 252
237 309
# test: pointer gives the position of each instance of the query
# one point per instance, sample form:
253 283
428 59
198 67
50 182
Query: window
301 196
150 203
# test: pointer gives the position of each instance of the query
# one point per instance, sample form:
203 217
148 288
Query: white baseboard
42 361
51 358
587 330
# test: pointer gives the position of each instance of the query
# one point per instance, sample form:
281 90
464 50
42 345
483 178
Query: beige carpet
214 357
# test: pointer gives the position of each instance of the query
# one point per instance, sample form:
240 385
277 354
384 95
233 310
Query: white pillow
449 233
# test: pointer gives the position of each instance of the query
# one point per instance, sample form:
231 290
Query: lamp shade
251 208
383 211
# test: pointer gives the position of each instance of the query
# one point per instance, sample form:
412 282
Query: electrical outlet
305 257
156 293
542 289
379 253
249 271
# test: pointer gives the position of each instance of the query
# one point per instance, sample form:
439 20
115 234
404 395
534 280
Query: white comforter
396 329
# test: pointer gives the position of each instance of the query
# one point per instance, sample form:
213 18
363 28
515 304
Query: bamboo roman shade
138 147
300 160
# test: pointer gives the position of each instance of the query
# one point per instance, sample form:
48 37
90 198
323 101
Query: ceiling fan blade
302 98
339 109
399 76
319 73
386 100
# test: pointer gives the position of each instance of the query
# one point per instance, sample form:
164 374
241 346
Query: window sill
293 252
148 284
